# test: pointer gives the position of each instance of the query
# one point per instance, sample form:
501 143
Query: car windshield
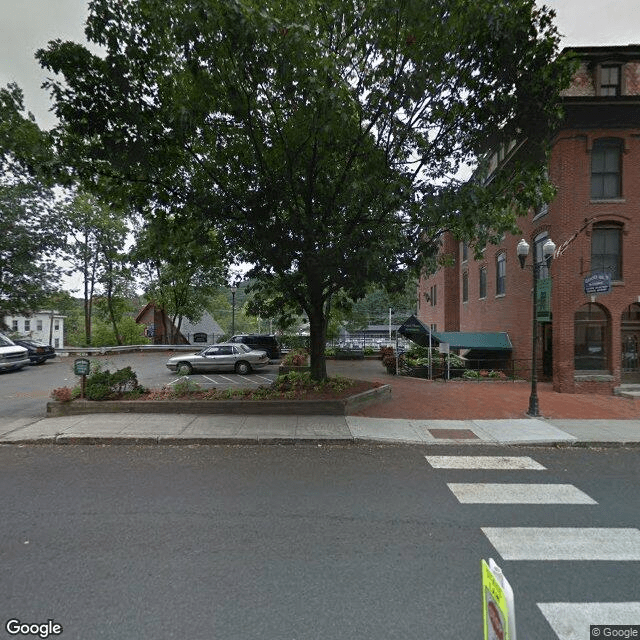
243 347
5 342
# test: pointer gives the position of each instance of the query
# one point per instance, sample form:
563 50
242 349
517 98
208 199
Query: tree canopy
29 238
320 139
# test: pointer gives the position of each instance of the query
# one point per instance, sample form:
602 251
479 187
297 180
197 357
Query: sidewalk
419 412
251 429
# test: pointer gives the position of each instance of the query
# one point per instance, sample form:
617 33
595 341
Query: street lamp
522 250
233 309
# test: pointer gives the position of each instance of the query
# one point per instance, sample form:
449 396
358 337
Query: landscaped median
291 394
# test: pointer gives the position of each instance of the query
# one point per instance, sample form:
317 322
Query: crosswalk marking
564 543
484 462
571 620
508 493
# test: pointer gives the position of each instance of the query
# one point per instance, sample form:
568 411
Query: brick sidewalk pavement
466 400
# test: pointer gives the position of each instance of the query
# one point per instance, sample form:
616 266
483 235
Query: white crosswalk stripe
508 493
515 463
564 543
571 620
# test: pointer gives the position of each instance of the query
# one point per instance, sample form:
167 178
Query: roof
415 330
206 324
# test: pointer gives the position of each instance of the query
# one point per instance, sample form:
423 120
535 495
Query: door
630 333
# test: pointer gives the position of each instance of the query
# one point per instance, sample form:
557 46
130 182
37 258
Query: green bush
104 385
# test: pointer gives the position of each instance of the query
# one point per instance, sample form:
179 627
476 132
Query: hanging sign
597 283
543 303
498 610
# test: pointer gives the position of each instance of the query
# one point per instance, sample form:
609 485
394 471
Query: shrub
296 358
369 351
470 374
104 385
185 388
62 394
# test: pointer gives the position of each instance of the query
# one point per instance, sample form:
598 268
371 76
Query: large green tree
321 138
184 264
29 215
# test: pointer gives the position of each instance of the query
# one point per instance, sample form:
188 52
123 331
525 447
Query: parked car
220 357
261 342
38 351
11 355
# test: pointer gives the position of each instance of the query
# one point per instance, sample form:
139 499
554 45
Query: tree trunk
317 340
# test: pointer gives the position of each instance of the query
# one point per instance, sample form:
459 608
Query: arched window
591 331
501 274
482 285
606 169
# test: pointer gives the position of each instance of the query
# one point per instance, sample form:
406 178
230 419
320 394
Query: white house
43 326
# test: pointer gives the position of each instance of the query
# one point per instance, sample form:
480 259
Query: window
57 343
465 252
465 286
606 165
14 325
39 325
434 327
433 295
501 274
27 325
609 80
56 326
591 329
606 250
483 282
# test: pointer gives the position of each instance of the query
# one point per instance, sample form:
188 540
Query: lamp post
233 309
522 250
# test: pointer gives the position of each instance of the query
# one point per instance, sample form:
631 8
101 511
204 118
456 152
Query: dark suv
260 342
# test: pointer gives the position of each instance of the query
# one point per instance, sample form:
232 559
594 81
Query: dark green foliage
104 385
321 141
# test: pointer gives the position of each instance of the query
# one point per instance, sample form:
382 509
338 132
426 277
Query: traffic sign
498 610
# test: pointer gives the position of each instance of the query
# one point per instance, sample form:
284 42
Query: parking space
228 380
24 393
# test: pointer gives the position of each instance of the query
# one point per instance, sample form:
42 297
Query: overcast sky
27 25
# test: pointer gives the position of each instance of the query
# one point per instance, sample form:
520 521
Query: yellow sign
498 614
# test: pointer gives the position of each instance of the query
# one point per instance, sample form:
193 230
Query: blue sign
597 283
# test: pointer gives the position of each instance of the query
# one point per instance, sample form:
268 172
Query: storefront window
591 331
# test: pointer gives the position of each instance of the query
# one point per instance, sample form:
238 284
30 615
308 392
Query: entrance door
631 344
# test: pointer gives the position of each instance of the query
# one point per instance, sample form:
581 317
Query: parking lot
24 393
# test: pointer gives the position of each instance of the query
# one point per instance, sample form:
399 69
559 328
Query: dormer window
609 81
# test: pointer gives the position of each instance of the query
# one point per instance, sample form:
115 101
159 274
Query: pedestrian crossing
569 620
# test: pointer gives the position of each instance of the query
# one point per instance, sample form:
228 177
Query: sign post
498 611
82 367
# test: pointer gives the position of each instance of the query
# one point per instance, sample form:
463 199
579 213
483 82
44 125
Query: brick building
587 342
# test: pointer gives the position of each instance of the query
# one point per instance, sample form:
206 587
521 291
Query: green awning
417 332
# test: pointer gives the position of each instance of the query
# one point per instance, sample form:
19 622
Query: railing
478 370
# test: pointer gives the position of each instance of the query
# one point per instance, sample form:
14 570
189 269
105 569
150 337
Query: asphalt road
24 393
291 542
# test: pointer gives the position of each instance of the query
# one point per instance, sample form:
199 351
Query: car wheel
184 368
243 368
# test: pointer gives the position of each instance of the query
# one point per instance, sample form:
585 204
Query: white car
11 355
220 357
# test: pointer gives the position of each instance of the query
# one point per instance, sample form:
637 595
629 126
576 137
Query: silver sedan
220 357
